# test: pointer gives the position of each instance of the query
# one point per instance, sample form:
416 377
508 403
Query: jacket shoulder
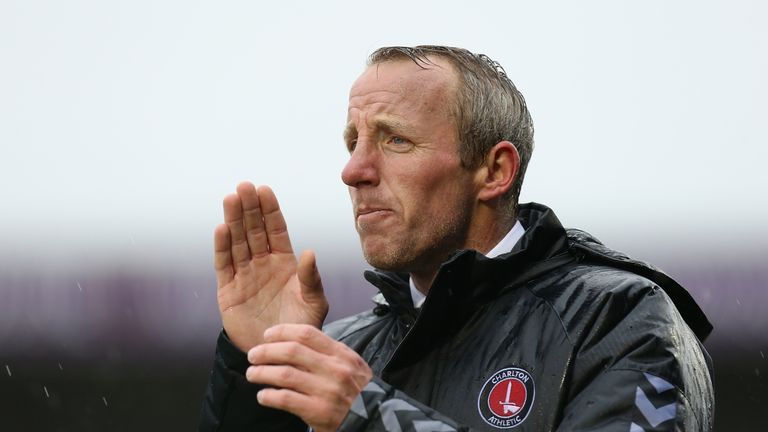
619 315
583 293
590 250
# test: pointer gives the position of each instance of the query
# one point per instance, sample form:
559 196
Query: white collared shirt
505 245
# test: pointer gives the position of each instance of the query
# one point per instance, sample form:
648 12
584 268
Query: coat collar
470 276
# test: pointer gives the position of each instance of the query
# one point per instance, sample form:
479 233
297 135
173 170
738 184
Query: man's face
412 200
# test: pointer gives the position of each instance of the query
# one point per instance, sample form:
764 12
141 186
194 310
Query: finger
286 353
305 335
233 216
286 377
222 256
286 400
320 413
254 220
274 223
309 279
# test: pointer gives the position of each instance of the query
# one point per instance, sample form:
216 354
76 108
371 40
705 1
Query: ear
499 171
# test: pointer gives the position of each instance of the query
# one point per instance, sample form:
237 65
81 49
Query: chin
389 259
381 262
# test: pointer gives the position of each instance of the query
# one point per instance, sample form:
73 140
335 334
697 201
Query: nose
362 168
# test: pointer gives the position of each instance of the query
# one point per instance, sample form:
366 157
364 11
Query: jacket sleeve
230 404
230 401
631 401
382 408
640 369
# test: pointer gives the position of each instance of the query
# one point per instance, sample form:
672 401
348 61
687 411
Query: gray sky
123 124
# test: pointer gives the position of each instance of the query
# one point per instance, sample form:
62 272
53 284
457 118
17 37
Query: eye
351 145
398 144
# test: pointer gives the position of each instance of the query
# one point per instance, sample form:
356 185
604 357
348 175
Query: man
490 315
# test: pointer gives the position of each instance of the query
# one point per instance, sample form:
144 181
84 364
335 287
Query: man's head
488 107
424 177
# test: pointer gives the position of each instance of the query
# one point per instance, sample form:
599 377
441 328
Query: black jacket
561 333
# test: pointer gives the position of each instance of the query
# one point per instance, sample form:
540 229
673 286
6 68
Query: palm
260 282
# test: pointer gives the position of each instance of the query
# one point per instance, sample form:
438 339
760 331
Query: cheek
430 198
425 183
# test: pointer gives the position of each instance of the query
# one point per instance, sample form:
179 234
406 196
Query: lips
372 212
367 215
362 211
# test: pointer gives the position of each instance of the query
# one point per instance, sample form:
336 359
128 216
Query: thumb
309 278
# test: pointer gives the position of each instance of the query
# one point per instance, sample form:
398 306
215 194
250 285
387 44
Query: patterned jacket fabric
561 333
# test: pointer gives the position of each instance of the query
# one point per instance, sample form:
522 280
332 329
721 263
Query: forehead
403 82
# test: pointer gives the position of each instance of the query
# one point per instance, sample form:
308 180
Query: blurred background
124 124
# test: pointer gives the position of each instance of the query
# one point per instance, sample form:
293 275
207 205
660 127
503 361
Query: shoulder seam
554 311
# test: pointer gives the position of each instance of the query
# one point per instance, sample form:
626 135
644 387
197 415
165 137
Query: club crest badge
506 398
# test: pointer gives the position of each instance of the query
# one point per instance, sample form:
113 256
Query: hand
259 281
316 377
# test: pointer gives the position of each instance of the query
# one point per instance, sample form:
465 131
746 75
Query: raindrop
8 369
762 355
79 286
105 400
738 302
196 295
46 391
757 371
61 368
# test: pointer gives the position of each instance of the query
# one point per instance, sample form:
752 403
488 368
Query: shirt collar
505 245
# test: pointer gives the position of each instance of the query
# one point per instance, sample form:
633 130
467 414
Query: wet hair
488 107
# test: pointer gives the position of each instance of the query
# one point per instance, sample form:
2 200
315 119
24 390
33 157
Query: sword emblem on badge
508 405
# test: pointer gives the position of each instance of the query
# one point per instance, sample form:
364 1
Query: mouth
368 215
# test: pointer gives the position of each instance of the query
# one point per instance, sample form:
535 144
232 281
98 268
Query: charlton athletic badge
506 398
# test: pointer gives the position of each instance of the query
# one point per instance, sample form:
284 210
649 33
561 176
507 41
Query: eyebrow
385 124
350 131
